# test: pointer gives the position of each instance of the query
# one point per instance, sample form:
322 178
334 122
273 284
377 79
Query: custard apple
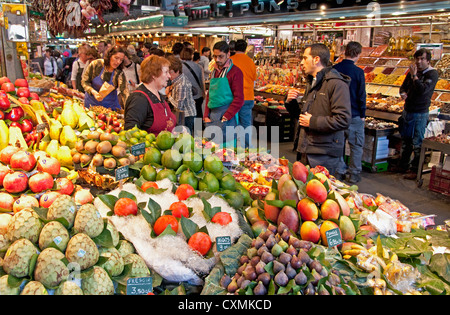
114 265
24 224
6 289
82 250
50 269
125 247
88 220
99 283
19 258
4 244
114 233
63 207
54 232
138 268
34 288
68 288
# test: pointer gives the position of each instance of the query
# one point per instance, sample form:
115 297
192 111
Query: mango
282 179
330 210
316 191
271 212
323 178
309 231
259 227
326 226
288 191
300 171
345 208
289 217
347 227
252 215
307 209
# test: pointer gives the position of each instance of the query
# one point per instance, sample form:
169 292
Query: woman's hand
207 120
96 95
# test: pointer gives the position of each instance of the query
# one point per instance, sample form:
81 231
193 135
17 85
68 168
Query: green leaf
126 194
108 200
168 231
208 211
105 238
276 203
189 227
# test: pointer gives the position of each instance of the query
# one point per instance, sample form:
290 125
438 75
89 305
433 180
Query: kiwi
93 135
118 151
121 143
91 146
109 163
132 158
124 161
85 158
104 147
113 138
76 158
79 146
97 160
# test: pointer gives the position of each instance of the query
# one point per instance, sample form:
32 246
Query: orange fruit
222 218
200 242
163 221
125 206
179 209
147 185
184 191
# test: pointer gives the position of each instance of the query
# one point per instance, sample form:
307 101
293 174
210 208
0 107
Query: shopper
248 68
104 81
226 94
68 63
205 59
232 45
179 94
78 66
101 48
324 110
177 48
131 70
355 133
49 65
194 74
417 90
146 50
146 108
132 54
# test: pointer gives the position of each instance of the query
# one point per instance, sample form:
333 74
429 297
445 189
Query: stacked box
440 180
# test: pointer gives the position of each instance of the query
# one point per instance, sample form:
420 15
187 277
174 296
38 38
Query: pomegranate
40 155
23 160
83 196
6 201
25 201
40 181
6 153
15 182
49 165
66 185
47 198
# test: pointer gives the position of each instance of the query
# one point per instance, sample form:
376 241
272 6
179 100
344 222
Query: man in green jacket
325 111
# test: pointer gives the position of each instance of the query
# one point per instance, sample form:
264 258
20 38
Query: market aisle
393 185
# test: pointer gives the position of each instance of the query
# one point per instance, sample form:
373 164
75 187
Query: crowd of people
159 90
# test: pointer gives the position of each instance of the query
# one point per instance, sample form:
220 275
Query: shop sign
260 7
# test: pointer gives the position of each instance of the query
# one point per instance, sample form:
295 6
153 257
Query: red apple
23 92
4 80
34 96
2 115
15 114
4 103
16 124
27 126
8 87
24 100
21 83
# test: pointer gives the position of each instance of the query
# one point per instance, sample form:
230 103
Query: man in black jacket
417 90
355 133
324 111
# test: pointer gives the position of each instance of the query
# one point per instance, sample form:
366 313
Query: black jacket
328 101
419 91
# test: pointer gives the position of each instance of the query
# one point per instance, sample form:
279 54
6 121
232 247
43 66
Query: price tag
222 243
122 172
138 149
333 237
139 286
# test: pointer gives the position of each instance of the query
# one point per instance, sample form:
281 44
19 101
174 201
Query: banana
347 256
352 252
357 246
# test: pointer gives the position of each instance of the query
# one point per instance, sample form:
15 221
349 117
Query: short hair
222 46
321 51
187 44
156 51
177 48
241 45
111 52
152 66
148 45
232 45
196 56
175 64
353 49
83 50
205 49
422 51
187 53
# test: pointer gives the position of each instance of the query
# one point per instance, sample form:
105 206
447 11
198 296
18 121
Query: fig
300 278
225 281
267 257
260 289
290 271
281 279
264 278
277 267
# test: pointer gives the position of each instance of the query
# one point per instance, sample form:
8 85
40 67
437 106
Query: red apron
163 118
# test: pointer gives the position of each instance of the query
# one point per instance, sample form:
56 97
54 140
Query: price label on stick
139 286
138 149
122 172
333 237
222 243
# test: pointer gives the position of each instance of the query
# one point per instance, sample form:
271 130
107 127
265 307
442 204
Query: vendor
103 73
146 107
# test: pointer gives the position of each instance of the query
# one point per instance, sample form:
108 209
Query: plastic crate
439 180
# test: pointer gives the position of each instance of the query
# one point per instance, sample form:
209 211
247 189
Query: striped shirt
181 96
